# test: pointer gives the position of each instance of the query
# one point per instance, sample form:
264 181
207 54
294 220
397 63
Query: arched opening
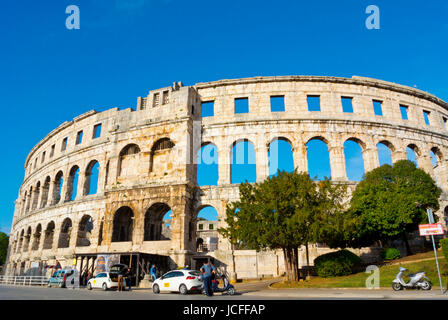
243 165
24 203
45 189
436 156
36 240
100 234
64 236
123 225
207 225
49 234
72 185
280 156
84 231
30 198
318 159
26 240
36 196
158 219
354 161
412 153
91 180
129 159
385 149
207 165
57 190
160 159
19 247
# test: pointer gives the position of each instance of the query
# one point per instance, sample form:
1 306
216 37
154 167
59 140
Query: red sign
430 229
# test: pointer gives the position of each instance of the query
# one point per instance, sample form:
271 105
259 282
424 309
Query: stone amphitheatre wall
146 163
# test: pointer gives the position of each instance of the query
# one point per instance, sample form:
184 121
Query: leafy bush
390 254
333 264
444 245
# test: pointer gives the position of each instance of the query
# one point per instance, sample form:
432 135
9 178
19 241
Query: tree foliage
392 200
284 212
4 240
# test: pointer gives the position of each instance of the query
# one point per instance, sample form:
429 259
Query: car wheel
61 285
426 285
49 284
155 288
104 286
89 286
397 286
231 291
183 289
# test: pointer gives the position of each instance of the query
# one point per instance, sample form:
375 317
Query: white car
104 280
178 281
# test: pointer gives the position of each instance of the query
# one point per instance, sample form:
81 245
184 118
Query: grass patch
387 274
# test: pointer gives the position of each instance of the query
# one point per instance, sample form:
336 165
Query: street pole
431 220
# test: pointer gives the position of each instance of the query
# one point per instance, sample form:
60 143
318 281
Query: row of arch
158 219
280 157
39 196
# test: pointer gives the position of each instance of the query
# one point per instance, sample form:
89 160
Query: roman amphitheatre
102 183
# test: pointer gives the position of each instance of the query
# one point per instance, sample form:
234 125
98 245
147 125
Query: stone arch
84 231
123 225
157 226
280 155
64 235
160 157
207 170
72 184
35 196
26 240
354 160
91 178
45 190
243 164
49 235
28 201
57 190
318 158
36 237
128 161
385 149
207 216
412 153
19 247
436 156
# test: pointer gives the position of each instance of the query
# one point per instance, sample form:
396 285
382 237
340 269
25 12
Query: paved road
254 291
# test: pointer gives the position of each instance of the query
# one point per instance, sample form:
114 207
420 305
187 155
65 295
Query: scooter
417 280
227 287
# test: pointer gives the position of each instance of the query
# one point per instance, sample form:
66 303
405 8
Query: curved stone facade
146 161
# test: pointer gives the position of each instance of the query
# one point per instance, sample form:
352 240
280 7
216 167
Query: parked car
104 280
59 277
181 281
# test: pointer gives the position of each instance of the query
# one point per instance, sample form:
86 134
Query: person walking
153 272
128 278
207 271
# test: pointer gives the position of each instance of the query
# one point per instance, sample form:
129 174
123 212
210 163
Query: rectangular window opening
64 144
313 103
426 116
155 102
43 157
347 104
377 109
404 112
97 131
79 137
52 151
208 109
165 97
241 105
277 103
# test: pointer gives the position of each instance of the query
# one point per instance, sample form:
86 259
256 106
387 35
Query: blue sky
49 74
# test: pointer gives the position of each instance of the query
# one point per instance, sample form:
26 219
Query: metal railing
24 280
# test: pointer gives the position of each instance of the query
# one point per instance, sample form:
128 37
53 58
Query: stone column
425 163
50 199
80 187
300 159
371 160
224 162
398 155
56 234
261 158
337 163
73 235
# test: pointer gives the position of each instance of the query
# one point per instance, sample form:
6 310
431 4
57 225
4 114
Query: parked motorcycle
417 280
227 287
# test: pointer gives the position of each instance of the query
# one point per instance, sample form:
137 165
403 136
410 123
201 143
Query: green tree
283 212
4 240
392 200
